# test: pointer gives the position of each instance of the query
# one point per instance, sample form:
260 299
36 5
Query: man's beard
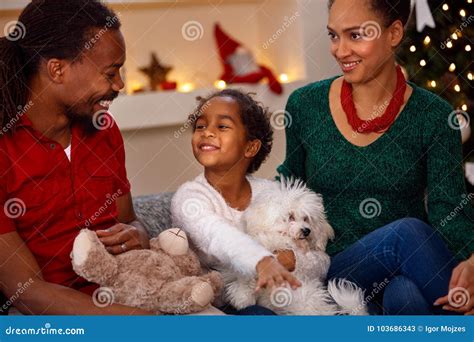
84 120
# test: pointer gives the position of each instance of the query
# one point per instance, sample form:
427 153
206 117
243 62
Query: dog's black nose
306 231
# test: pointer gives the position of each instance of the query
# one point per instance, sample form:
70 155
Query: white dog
290 216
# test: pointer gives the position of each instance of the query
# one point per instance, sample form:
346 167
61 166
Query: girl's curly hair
255 118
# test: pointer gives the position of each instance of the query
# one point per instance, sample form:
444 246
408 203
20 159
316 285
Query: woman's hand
123 237
271 273
287 258
461 289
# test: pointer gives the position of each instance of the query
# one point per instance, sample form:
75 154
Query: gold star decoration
156 72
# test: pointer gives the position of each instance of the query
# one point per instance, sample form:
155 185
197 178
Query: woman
375 147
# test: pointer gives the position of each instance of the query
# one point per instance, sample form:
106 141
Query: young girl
232 137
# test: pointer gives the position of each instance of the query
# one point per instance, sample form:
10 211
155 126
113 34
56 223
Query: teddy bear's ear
173 241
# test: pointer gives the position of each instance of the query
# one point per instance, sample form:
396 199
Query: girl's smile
205 147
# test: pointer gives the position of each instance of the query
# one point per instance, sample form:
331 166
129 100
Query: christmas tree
440 58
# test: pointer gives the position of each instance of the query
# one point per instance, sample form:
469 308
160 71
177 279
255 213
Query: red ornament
379 124
166 85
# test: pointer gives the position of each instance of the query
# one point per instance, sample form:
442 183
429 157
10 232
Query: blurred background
172 57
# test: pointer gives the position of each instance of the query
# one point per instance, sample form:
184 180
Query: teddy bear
165 279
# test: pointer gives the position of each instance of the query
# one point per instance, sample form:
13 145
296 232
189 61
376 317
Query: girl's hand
287 258
461 289
271 273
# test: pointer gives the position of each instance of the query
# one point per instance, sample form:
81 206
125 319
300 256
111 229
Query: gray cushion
154 212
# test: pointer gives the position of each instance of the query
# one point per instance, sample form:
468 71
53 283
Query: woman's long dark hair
45 29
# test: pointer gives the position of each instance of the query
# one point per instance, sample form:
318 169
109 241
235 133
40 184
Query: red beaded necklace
379 124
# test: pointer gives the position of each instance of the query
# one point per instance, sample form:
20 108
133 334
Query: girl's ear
252 148
397 31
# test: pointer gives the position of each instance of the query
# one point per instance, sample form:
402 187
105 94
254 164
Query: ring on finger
123 246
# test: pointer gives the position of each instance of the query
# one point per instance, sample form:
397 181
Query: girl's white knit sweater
214 228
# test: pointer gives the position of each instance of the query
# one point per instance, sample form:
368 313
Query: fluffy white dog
290 216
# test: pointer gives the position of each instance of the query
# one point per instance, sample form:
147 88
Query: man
62 160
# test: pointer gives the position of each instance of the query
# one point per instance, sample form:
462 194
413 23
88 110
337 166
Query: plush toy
167 278
239 63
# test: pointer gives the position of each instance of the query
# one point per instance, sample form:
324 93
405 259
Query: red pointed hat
226 44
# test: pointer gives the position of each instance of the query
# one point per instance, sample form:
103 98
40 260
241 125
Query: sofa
154 211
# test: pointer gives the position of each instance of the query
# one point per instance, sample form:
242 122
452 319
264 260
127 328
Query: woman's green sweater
365 188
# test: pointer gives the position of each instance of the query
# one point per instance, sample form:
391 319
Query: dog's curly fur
291 216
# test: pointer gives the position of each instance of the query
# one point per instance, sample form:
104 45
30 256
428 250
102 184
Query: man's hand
461 288
127 235
123 237
271 273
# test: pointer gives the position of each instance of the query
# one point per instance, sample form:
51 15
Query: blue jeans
403 268
253 310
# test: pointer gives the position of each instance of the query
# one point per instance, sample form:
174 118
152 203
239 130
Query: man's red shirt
48 199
